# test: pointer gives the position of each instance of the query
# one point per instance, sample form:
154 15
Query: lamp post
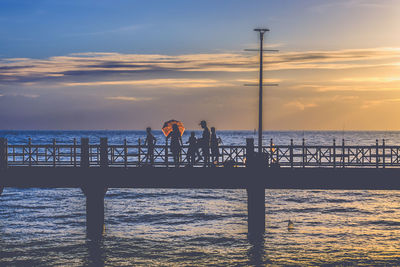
260 96
261 31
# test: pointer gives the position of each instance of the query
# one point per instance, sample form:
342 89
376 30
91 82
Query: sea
201 227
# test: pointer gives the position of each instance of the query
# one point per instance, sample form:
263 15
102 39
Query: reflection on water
256 252
95 253
202 227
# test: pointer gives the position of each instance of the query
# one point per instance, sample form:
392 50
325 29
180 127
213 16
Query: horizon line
186 130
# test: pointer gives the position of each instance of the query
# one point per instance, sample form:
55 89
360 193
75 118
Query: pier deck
216 178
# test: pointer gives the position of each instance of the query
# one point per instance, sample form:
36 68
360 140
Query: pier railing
126 155
334 156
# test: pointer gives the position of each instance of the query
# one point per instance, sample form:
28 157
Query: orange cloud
129 98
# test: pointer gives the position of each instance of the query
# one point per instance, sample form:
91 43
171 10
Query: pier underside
218 178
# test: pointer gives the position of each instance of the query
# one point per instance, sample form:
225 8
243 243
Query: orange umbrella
167 128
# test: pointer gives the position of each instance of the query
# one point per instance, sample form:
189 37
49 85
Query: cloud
95 68
157 83
340 4
336 59
27 95
344 97
22 95
329 87
129 98
123 29
252 81
372 103
300 105
370 79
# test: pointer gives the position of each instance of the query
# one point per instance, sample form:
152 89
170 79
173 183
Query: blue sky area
44 28
92 64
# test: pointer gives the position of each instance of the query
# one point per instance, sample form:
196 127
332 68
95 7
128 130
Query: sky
70 65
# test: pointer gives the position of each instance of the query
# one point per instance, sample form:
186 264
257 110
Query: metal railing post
303 153
125 154
271 152
139 151
74 152
377 154
166 152
291 153
3 153
343 153
55 152
383 153
318 155
30 151
334 153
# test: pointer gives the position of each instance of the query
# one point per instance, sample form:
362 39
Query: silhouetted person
150 142
214 142
193 149
176 143
205 143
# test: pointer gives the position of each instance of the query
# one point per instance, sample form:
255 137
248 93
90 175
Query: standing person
150 142
214 142
205 143
191 153
176 143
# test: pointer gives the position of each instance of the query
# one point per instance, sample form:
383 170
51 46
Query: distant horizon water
235 137
197 129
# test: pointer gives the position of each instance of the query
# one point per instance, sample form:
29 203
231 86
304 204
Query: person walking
205 143
150 142
214 142
176 143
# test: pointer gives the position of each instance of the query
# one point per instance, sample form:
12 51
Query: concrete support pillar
94 211
255 190
3 157
256 210
94 192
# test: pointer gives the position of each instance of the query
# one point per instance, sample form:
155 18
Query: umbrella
167 128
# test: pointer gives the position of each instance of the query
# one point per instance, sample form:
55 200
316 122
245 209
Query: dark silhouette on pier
214 142
205 143
150 142
193 149
176 143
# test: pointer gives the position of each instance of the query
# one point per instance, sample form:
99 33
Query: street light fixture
261 31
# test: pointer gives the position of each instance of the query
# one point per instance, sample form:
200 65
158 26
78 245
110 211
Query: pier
95 167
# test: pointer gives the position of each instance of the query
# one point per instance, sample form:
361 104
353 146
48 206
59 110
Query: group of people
208 142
